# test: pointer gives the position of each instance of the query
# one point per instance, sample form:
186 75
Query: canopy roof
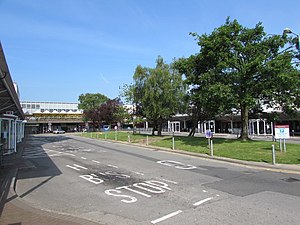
9 100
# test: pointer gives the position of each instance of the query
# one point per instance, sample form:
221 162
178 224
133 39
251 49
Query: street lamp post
289 31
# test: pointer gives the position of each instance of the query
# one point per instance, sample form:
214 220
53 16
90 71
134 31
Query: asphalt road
119 184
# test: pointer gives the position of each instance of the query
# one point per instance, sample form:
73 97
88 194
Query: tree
89 104
242 67
91 101
111 111
206 100
157 93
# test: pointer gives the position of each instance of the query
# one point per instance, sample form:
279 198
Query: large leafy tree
157 93
90 103
91 100
241 68
206 100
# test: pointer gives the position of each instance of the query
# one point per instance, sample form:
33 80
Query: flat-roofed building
45 117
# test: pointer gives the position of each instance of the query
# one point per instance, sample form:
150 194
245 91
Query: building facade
43 117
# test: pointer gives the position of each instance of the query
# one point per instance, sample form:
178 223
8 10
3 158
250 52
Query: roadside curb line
250 164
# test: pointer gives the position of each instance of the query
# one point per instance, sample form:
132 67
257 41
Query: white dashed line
82 157
112 166
202 201
82 167
95 161
204 191
170 181
166 217
72 167
138 173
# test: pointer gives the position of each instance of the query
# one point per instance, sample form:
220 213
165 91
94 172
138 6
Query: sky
57 50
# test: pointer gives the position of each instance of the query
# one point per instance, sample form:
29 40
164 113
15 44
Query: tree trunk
94 125
192 132
245 122
154 128
159 129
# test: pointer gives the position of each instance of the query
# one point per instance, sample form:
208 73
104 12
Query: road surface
117 184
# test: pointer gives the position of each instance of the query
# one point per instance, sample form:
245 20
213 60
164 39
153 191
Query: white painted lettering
158 183
92 178
116 174
186 167
129 199
149 188
135 191
177 165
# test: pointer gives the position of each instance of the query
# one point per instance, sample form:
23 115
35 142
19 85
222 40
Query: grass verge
259 151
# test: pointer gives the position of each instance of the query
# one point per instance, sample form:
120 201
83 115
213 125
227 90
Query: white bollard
211 148
273 155
173 142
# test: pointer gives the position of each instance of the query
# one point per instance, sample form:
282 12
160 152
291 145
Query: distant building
43 117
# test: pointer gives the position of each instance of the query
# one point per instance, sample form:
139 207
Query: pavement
15 211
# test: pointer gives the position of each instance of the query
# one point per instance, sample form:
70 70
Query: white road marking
112 166
202 201
204 191
72 167
95 161
138 173
166 217
170 181
177 165
82 167
83 157
69 154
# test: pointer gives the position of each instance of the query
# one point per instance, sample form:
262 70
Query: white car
58 131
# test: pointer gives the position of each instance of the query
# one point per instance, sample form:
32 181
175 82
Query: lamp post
289 31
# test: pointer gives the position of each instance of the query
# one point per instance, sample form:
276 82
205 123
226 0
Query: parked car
58 131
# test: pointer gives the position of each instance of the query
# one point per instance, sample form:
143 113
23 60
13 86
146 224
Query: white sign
208 134
282 131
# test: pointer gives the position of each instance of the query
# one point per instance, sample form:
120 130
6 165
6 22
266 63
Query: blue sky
59 49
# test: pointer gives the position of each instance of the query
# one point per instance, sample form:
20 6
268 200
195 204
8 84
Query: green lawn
260 151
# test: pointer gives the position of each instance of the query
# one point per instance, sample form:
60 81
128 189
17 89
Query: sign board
282 131
106 128
208 134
